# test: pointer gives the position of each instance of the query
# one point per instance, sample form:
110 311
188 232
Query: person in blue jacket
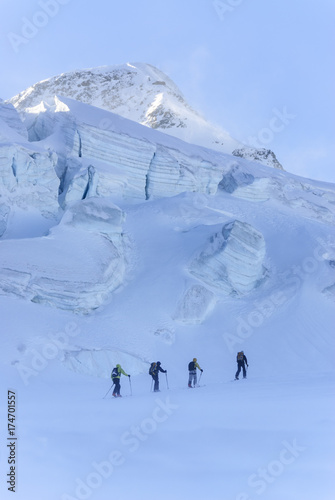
241 362
155 368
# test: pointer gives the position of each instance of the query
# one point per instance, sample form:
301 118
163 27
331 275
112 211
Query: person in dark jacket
241 362
116 375
154 370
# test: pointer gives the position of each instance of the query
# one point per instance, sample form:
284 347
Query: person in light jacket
192 372
116 375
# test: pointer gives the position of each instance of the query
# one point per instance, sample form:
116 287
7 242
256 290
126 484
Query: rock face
262 155
232 263
142 93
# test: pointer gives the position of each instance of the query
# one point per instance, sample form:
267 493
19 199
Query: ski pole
131 392
200 377
108 390
152 381
167 383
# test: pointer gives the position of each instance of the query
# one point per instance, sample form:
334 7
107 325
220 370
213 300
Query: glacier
121 244
80 158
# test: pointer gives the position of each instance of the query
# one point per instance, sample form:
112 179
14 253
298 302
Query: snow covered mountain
142 93
122 244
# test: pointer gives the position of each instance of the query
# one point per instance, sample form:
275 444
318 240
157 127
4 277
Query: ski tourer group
155 368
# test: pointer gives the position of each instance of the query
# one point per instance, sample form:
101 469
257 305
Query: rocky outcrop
264 156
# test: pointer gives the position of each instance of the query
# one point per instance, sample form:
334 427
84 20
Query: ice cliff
76 267
232 262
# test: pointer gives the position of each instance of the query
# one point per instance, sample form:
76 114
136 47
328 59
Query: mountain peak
140 92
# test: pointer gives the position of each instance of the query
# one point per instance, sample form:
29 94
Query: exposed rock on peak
265 156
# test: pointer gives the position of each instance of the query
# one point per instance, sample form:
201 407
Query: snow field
226 440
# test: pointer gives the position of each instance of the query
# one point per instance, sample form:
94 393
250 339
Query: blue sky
242 63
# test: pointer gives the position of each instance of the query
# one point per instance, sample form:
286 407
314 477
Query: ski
118 397
196 386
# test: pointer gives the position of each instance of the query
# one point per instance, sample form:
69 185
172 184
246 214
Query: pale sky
262 69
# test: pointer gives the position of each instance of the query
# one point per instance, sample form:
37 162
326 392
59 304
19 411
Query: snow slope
268 234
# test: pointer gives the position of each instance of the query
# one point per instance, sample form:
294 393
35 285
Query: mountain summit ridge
145 94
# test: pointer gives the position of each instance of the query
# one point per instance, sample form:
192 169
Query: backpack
240 356
115 372
152 369
191 366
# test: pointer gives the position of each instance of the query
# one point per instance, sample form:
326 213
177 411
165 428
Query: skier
192 371
241 359
155 368
115 375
